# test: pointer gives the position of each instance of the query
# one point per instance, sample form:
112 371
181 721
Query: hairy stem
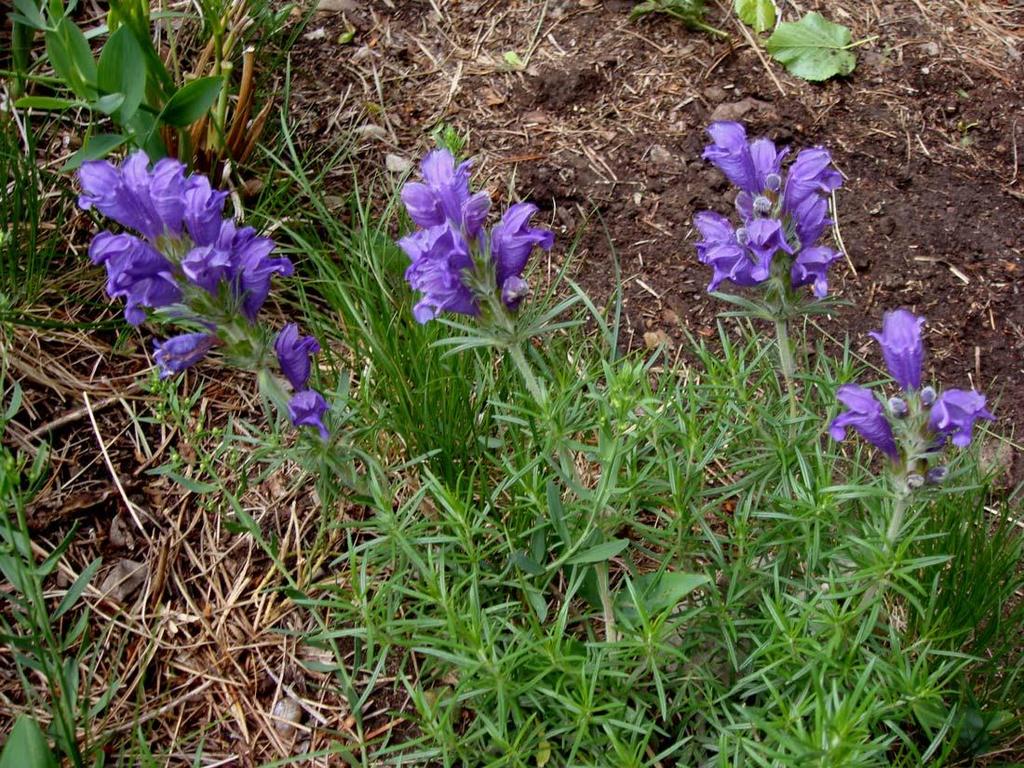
786 362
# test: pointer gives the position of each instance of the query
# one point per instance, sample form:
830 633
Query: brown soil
605 127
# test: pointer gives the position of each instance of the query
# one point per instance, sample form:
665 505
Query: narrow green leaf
97 146
759 14
26 747
49 103
557 513
813 48
76 589
599 554
122 69
191 102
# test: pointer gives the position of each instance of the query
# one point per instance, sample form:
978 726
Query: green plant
690 12
154 106
43 638
28 245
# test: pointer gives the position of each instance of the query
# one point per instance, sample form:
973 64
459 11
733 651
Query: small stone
371 131
655 339
337 6
668 317
317 34
661 156
715 94
121 533
733 111
397 163
123 579
930 49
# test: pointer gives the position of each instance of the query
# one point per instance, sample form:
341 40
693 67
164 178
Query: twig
77 413
760 55
113 472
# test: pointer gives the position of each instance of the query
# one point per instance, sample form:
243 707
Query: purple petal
180 352
902 347
865 415
293 353
954 414
307 409
513 240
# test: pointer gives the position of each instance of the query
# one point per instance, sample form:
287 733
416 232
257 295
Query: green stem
607 607
899 512
786 362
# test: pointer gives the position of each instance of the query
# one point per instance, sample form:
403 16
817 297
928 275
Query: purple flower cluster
926 418
782 212
186 254
444 251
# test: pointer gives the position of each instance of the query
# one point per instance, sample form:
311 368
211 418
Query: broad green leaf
26 747
191 102
658 592
665 590
599 554
97 146
29 14
524 562
49 103
122 69
71 58
759 14
813 48
108 104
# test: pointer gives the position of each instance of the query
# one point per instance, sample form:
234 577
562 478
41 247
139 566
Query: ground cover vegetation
451 518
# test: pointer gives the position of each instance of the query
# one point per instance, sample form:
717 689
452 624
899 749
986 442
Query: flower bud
928 395
762 206
914 481
773 182
936 475
898 407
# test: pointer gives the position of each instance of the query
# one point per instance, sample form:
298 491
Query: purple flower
512 242
810 175
955 412
253 269
810 267
765 238
307 409
239 258
136 272
293 353
867 416
439 256
180 352
203 209
148 201
902 347
721 250
746 164
443 195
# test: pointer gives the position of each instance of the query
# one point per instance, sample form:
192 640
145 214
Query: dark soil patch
609 119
